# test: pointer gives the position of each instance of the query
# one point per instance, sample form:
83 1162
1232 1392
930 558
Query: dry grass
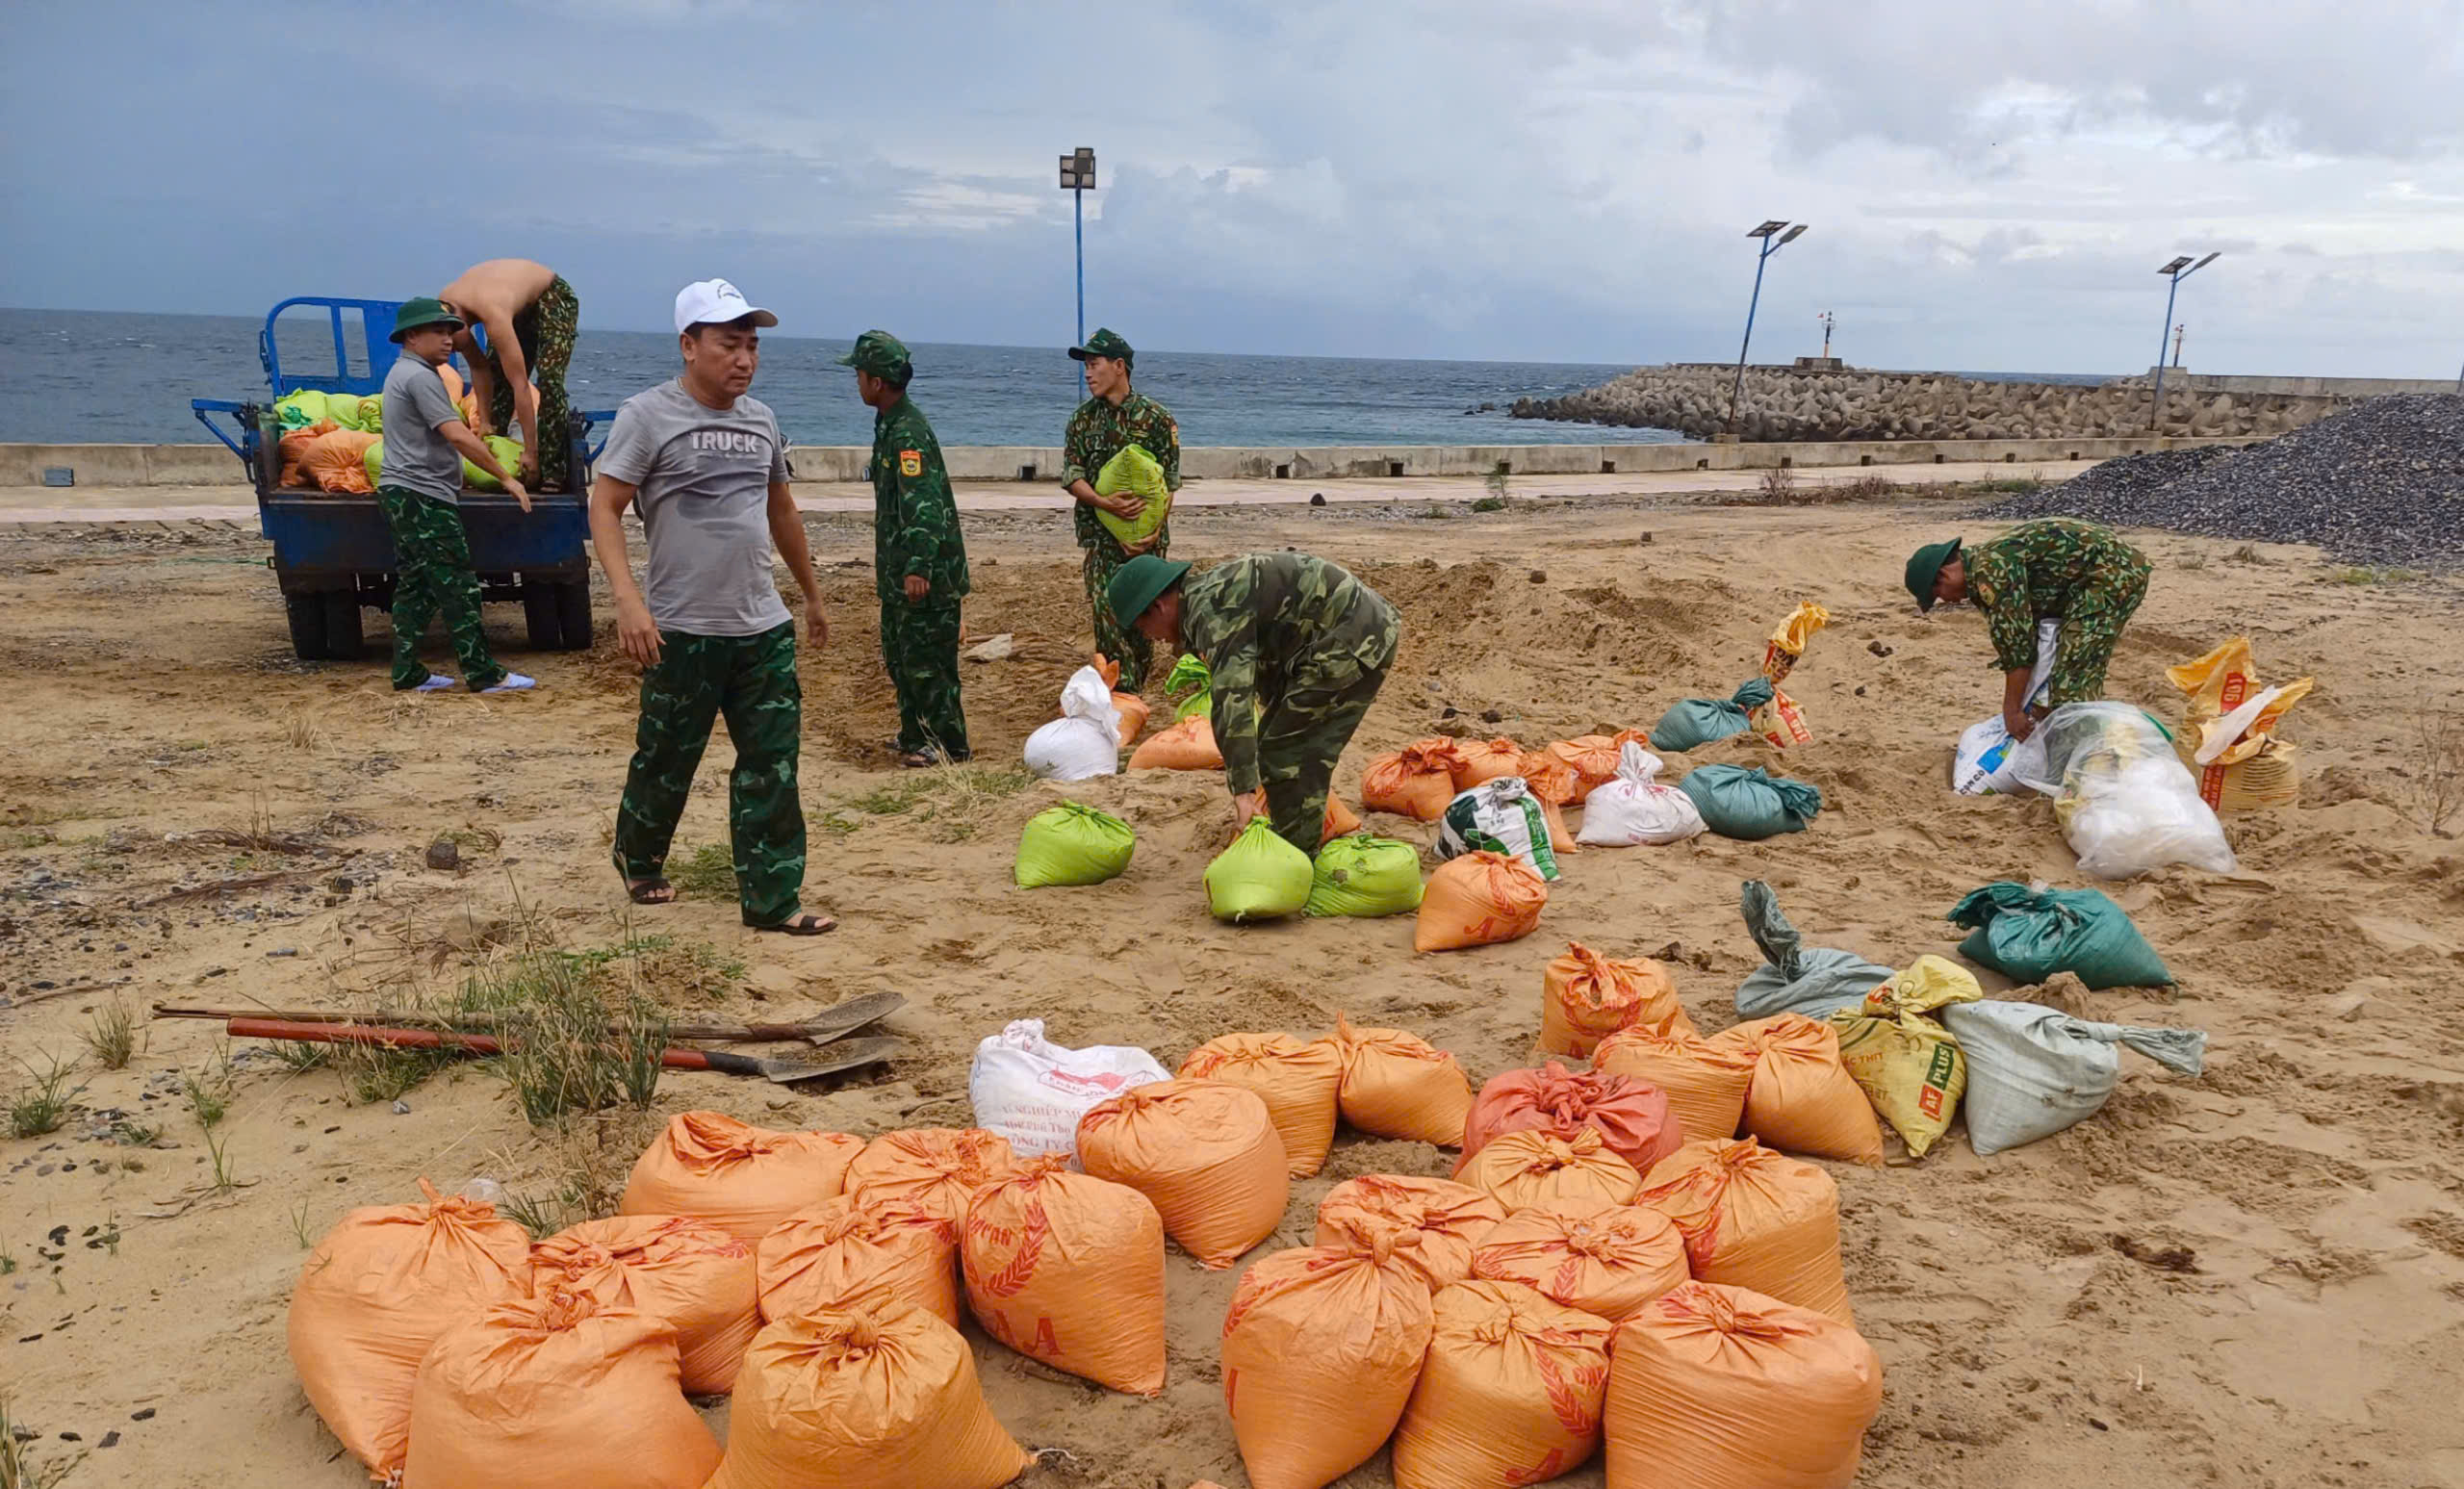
1779 486
588 1159
303 728
114 1034
19 1467
2438 764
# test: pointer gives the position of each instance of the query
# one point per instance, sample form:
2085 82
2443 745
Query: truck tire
573 613
344 639
541 615
307 616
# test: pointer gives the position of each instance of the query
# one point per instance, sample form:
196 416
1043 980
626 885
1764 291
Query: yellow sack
2234 753
1910 1066
1787 644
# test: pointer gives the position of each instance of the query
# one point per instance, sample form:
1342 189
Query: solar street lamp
1771 244
1078 178
2174 273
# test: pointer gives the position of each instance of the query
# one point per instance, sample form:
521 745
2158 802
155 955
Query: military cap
881 354
1105 343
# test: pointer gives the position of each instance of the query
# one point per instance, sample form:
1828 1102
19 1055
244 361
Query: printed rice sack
1297 1080
1635 809
1816 981
1750 805
1260 877
1417 781
1586 997
1188 744
1321 1348
1693 721
1485 759
1189 687
1909 1066
1705 1083
1072 845
741 1179
2033 1071
938 1168
1608 1262
1632 1117
1365 876
1398 1085
686 1273
1540 1170
1980 765
1086 741
1031 1091
2228 736
1510 1392
1551 782
1069 1269
1801 1098
1754 1218
1134 473
1498 816
1205 1152
857 1251
1451 1219
2027 935
1480 899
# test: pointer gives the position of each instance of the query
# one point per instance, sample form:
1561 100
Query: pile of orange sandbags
339 461
1321 1348
1297 1080
1478 899
1527 1170
937 1168
1449 1219
1586 997
1721 1388
741 1179
688 1274
376 1292
1801 1098
1510 1393
1205 1154
856 1251
1398 1085
1631 1116
556 1393
1069 1269
1754 1218
1187 745
1484 760
293 452
1704 1081
1608 1262
1417 781
863 1399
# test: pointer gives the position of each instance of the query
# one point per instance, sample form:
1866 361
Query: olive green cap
1925 566
1105 343
881 354
1137 585
425 310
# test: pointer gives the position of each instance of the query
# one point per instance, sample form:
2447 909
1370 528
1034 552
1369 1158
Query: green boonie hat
1925 566
1138 583
881 354
1105 343
427 310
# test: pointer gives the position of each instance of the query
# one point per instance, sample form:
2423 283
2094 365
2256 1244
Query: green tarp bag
2028 934
342 409
1072 845
1188 689
1134 473
1366 877
299 410
508 453
1750 805
1260 877
1794 978
1698 721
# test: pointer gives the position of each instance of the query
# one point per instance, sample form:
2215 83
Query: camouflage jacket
2039 570
1099 431
916 519
1273 627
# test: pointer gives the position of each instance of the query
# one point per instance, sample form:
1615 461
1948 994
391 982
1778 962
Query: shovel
821 1028
838 1058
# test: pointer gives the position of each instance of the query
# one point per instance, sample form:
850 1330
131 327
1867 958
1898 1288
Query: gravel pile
2381 483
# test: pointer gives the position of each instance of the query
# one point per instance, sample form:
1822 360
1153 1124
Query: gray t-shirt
703 479
417 458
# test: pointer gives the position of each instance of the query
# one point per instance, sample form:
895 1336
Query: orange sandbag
339 461
741 1179
1321 1347
1450 1219
688 1274
1802 1098
1339 820
1187 745
1586 997
376 1292
293 451
1705 1082
557 1392
1528 1170
1510 1393
1721 1388
1107 669
1133 710
1298 1081
1398 1085
1609 1262
857 1251
1631 1116
451 377
1485 759
1593 759
1551 782
1069 1269
1205 1152
1478 899
1417 781
937 1168
1755 1218
856 1398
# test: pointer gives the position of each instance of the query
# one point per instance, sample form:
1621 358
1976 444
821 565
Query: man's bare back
498 289
491 294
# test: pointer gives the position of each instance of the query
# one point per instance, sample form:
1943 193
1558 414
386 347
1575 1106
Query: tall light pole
1078 178
2175 273
1770 246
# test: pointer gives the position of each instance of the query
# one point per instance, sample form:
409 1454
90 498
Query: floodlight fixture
2203 263
1792 235
1078 178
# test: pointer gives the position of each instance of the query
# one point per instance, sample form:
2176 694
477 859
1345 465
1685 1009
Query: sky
1990 187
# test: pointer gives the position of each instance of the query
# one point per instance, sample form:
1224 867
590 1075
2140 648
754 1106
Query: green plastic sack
1750 805
1072 845
1366 877
2028 935
1794 978
1260 877
375 460
299 410
1190 689
342 409
1698 721
508 453
1134 473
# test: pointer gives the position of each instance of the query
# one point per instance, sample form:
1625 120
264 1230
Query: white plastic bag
1632 808
1032 1091
2033 1070
1085 740
1982 767
2125 801
1502 816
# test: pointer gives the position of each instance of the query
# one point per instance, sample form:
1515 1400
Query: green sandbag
1698 721
371 413
1189 687
1260 877
375 461
2028 935
1750 805
1366 877
299 410
508 453
1134 473
342 409
1794 978
1072 845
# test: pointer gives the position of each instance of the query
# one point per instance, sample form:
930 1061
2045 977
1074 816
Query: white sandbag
1032 1091
1498 816
2033 1070
1982 765
1631 809
2125 801
1085 740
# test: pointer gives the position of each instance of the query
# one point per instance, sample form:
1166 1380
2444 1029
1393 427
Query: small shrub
2438 764
112 1035
1489 505
41 1107
1779 486
567 1049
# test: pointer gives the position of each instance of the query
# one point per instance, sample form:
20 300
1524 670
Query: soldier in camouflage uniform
2073 571
532 316
1298 648
1113 419
919 558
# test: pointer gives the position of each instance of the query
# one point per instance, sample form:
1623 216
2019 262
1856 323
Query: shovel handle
473 1043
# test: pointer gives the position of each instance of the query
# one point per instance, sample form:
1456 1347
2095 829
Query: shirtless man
530 314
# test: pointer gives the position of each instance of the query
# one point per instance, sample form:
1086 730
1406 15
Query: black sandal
654 890
802 923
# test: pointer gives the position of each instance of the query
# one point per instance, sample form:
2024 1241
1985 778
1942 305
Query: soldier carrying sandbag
2074 572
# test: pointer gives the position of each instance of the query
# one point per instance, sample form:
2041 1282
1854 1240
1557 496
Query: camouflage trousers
751 681
546 330
1134 652
432 573
1302 732
920 652
2092 627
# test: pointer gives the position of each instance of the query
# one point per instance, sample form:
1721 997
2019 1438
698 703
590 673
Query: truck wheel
540 614
307 615
573 613
344 639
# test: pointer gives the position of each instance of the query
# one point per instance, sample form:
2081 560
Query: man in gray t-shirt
420 487
707 470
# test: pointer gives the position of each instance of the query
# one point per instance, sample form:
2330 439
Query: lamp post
1078 178
2174 273
1770 246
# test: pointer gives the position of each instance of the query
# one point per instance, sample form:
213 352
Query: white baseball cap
713 302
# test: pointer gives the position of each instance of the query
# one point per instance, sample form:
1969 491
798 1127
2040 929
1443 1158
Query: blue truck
333 554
